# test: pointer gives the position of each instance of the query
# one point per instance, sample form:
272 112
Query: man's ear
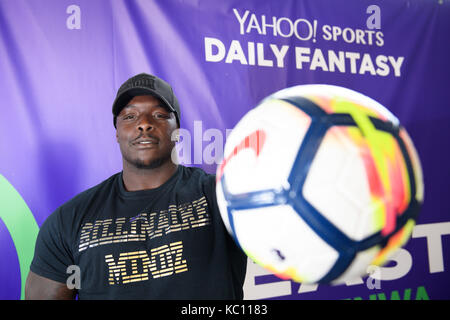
117 137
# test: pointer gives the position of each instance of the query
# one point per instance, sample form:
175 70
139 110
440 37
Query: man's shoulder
68 215
97 192
196 181
196 172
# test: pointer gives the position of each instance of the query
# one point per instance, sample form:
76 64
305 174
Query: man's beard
140 164
152 165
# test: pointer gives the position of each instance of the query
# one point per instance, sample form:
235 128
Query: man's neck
135 179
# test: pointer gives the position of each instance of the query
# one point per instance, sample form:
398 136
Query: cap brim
125 97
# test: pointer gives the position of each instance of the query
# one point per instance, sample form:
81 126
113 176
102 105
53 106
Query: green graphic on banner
21 225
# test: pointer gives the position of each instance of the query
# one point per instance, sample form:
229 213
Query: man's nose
145 123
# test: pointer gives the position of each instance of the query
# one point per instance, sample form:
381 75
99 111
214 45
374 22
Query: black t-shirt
163 243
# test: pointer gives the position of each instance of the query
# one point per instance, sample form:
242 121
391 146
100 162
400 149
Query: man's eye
162 116
128 117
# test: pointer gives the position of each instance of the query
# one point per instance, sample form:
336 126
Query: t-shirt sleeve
52 256
237 256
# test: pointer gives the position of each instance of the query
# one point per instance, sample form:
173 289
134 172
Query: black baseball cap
146 84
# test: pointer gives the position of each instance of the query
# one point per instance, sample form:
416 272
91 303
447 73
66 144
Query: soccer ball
318 183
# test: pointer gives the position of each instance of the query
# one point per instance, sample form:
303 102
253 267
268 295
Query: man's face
144 130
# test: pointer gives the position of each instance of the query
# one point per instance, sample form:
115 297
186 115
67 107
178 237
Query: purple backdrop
62 61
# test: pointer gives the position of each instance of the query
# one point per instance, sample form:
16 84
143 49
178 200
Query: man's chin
148 164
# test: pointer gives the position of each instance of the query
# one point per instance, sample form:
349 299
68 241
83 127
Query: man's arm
41 288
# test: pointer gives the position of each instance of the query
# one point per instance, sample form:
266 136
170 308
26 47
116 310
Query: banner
62 61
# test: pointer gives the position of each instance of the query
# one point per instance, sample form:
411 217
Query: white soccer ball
318 182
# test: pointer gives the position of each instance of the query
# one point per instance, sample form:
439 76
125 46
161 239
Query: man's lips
145 142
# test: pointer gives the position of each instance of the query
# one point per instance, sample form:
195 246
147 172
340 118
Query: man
152 231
